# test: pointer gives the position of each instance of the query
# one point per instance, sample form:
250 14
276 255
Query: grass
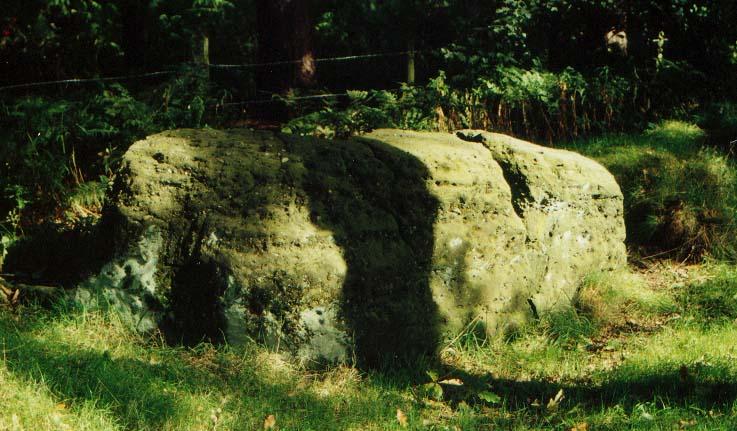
680 196
651 349
716 296
107 378
653 360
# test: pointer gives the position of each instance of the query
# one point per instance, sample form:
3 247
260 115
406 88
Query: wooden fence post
411 61
201 52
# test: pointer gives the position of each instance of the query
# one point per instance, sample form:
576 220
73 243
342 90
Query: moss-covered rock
377 246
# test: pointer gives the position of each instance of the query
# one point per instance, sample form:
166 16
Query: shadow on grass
140 393
74 373
707 387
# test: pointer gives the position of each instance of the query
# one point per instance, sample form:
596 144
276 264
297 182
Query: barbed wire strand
285 99
317 60
87 80
214 66
277 100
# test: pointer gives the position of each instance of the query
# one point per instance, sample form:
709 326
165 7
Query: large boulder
375 247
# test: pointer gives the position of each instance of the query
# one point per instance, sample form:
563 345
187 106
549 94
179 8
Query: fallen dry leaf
555 402
401 418
687 424
583 426
270 422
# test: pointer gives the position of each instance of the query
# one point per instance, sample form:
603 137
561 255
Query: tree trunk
201 48
411 61
134 15
285 34
201 53
301 45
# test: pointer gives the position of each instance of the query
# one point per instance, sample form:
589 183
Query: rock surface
375 247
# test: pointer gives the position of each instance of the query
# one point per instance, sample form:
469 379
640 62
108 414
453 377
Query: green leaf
433 391
357 95
490 397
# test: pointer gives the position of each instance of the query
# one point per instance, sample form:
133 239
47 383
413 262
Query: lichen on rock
127 283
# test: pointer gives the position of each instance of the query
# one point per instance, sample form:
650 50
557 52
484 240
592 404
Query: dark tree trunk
134 14
285 34
201 54
301 45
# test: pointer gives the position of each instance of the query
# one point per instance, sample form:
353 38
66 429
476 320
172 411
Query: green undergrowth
720 120
605 300
715 297
654 353
680 196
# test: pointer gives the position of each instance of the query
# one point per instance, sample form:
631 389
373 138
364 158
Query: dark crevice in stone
521 194
517 181
533 308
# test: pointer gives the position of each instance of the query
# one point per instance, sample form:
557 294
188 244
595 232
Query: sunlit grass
30 405
91 358
614 296
680 198
650 361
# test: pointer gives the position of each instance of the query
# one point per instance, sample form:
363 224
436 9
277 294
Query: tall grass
680 197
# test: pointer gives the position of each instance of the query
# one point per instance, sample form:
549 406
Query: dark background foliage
536 69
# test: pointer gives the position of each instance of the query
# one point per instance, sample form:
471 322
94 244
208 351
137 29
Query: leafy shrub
424 108
31 156
183 99
525 102
114 115
55 144
365 111
86 200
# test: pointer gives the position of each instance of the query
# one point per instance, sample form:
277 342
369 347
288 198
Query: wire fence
317 60
216 66
264 101
88 80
